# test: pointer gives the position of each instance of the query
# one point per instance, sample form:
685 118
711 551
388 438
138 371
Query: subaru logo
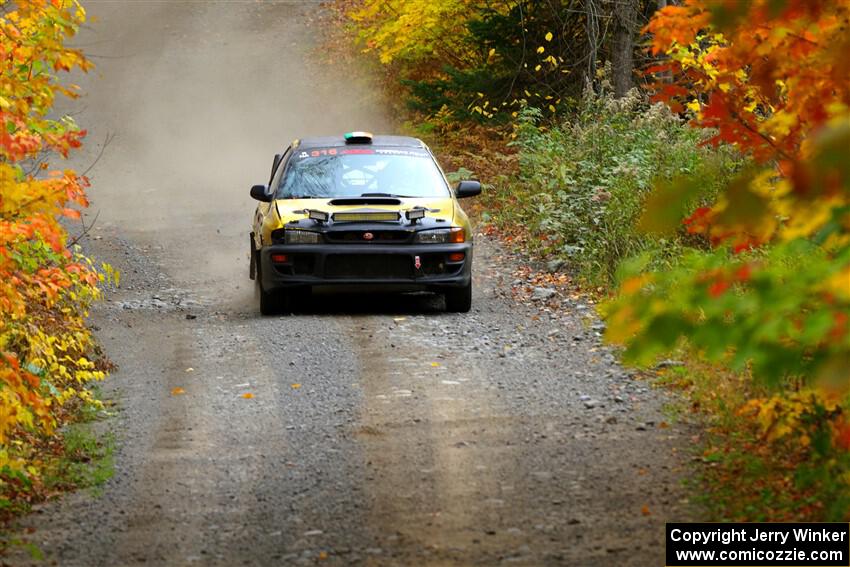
368 236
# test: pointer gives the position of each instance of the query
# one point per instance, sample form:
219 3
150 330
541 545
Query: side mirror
261 193
469 188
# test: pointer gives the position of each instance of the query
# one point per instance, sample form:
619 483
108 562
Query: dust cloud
198 97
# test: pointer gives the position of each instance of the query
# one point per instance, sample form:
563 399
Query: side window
275 180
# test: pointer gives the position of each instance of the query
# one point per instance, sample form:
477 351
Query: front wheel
459 300
271 303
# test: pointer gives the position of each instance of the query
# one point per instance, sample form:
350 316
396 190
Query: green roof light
358 137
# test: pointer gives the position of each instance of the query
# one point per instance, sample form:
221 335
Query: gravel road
381 431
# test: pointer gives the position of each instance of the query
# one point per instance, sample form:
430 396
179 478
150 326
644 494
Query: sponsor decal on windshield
324 152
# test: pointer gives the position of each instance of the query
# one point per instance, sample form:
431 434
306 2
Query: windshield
354 172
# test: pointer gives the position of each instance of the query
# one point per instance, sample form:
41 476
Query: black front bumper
384 265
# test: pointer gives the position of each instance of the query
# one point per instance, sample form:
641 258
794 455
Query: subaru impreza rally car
360 211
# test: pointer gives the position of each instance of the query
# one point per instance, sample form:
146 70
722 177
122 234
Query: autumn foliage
770 78
771 298
45 285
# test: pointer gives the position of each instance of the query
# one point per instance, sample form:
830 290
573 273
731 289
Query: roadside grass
87 462
581 184
80 456
743 472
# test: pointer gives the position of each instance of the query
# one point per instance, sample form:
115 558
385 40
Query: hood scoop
365 201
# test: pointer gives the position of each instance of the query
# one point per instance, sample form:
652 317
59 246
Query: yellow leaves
548 36
295 386
405 29
779 125
806 218
247 395
780 416
839 284
541 49
45 288
178 391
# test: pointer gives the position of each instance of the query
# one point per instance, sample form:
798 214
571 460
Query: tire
271 303
459 300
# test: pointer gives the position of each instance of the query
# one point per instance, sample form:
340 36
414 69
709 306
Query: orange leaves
45 289
771 79
675 25
71 213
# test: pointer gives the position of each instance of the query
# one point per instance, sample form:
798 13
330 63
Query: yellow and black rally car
360 210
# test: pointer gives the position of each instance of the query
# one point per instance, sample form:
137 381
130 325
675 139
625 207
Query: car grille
378 237
379 216
369 266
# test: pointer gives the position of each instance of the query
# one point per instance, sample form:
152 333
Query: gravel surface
380 430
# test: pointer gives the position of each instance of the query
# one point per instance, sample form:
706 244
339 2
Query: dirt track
381 431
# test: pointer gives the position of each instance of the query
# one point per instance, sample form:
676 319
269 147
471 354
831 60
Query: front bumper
383 265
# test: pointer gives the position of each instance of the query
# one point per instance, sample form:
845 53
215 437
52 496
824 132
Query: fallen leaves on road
435 364
645 510
295 386
247 395
178 391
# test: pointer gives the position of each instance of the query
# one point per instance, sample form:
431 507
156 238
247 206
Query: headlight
441 236
301 237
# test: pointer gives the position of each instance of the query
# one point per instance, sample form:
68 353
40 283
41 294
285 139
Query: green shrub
582 183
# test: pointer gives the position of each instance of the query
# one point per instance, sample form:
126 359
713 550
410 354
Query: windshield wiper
385 195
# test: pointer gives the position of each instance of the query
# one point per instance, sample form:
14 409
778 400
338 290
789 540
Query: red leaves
699 220
840 327
841 434
744 273
719 281
718 288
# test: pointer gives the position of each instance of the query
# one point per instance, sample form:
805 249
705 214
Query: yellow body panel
274 215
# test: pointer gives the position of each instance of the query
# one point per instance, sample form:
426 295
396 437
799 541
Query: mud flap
252 263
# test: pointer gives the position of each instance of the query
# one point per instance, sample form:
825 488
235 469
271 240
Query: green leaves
765 316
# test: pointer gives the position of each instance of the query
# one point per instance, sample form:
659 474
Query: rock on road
381 431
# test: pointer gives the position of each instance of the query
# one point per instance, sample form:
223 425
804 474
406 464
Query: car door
264 210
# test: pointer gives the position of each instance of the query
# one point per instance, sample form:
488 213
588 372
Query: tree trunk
592 30
622 45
